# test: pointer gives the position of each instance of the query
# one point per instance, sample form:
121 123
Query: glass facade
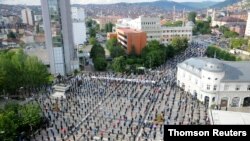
55 23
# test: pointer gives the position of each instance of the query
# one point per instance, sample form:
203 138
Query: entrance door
223 102
206 101
235 102
246 102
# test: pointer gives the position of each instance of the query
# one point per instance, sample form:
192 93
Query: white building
168 33
247 31
79 27
150 25
38 18
27 16
212 81
154 30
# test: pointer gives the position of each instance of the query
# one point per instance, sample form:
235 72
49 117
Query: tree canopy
238 42
227 33
115 48
119 64
153 55
97 53
202 27
213 51
192 16
92 40
19 70
16 118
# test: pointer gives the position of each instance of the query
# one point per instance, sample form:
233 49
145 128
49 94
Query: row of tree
218 53
18 70
153 55
16 119
227 33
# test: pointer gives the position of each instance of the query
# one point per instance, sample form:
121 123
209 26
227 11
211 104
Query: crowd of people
129 107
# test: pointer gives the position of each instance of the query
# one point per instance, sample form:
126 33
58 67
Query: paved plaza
121 107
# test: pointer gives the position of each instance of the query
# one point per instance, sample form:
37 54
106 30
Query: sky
37 2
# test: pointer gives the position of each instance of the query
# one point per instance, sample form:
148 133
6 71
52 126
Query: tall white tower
58 34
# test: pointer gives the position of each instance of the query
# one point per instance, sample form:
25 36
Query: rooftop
230 19
234 70
129 30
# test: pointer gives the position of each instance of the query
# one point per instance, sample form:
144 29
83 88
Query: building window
215 87
226 87
208 78
248 88
208 87
196 81
216 79
237 87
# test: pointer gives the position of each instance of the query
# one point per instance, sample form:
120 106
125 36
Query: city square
111 106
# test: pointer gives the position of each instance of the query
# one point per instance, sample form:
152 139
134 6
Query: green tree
92 40
92 32
192 16
179 44
213 51
238 42
117 51
209 19
19 70
154 54
100 63
202 27
119 64
30 115
8 125
89 23
97 51
16 118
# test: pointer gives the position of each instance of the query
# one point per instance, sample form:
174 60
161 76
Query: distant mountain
165 4
200 5
225 3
